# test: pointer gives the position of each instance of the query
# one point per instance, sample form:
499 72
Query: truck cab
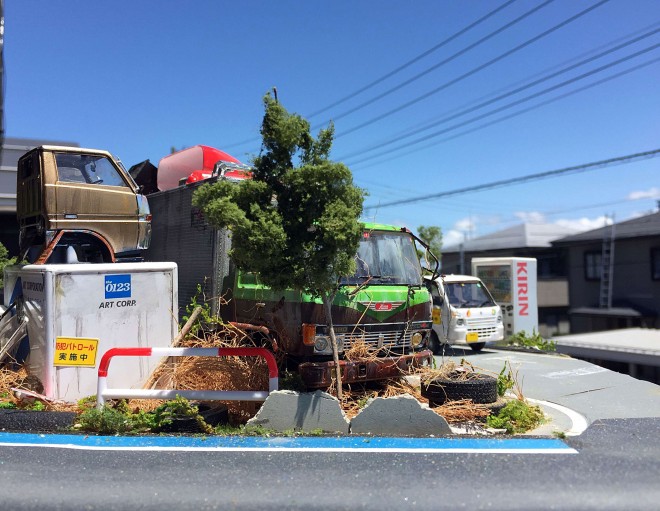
464 312
79 205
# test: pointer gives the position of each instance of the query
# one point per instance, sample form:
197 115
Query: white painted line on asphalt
379 445
456 450
580 371
578 421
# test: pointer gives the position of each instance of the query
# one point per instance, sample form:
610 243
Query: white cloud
651 193
585 224
452 238
531 217
465 224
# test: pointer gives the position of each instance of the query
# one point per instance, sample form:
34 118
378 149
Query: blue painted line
288 444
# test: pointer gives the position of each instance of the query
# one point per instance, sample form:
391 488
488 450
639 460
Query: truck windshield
386 257
468 294
88 169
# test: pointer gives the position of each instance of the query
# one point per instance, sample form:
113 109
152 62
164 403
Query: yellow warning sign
75 351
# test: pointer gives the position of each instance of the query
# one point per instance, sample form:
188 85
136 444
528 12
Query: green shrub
4 261
516 417
524 340
112 420
505 381
178 408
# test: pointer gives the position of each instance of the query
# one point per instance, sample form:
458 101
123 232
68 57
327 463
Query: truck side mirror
438 300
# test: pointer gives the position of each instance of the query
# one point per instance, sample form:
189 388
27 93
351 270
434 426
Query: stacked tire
480 388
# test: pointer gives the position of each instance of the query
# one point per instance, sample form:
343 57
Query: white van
464 312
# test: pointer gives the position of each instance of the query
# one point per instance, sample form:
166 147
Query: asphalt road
617 466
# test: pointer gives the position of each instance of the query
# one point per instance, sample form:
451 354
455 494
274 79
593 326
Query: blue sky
137 78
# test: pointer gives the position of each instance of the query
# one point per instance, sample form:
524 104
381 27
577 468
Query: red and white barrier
103 392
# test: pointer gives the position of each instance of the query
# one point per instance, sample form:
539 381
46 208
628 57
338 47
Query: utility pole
607 265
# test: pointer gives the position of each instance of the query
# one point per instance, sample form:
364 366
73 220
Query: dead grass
360 350
454 412
215 373
20 379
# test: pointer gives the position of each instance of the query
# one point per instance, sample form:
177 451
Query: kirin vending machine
512 282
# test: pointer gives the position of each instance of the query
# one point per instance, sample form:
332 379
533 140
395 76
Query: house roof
648 225
518 236
636 345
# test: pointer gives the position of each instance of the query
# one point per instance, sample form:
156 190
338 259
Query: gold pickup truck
79 205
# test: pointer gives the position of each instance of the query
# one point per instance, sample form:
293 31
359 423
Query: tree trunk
327 304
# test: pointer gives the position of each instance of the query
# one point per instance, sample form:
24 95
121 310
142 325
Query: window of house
655 263
592 265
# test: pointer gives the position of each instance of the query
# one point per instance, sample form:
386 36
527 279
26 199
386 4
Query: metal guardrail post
103 392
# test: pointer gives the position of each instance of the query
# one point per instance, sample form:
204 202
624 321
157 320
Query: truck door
92 194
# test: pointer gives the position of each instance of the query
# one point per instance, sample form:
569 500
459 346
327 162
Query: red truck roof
180 165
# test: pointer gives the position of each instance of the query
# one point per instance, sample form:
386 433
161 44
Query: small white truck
464 312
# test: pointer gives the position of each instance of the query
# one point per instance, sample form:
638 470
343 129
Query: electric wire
414 60
395 71
472 71
504 118
619 160
451 58
500 97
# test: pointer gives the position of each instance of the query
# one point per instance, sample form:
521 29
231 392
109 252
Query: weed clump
532 341
516 417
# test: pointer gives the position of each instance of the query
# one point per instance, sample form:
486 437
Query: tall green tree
296 223
432 236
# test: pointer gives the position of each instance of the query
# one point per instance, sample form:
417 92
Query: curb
33 421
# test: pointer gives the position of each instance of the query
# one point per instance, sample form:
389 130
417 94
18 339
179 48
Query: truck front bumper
318 375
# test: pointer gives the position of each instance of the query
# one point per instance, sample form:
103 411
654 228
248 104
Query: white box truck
464 312
512 282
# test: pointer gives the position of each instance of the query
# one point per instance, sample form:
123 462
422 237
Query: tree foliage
296 222
432 236
5 260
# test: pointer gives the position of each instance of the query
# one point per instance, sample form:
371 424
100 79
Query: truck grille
377 339
484 327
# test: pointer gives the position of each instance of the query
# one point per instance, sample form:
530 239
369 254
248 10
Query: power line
501 96
474 70
419 57
445 61
514 103
395 71
512 115
620 160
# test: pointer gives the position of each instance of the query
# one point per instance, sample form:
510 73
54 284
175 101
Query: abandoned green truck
384 305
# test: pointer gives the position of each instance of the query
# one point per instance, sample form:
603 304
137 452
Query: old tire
481 389
477 346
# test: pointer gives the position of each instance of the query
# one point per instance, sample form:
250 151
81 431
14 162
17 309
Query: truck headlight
321 343
460 322
416 339
499 318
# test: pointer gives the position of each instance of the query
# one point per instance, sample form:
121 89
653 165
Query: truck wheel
434 343
481 388
477 346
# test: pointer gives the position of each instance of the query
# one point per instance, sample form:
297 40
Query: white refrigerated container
512 282
76 312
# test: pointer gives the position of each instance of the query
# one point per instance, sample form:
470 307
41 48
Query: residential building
525 240
614 275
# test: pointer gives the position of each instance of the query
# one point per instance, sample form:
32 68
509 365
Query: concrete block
398 416
285 410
